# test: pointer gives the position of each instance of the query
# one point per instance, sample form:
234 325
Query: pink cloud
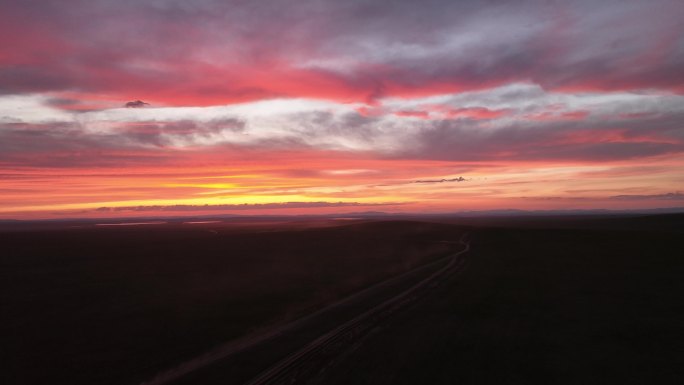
477 113
413 114
173 56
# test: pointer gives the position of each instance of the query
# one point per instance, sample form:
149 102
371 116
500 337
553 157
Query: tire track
310 360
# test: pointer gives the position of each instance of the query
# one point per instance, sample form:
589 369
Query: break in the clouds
241 207
518 98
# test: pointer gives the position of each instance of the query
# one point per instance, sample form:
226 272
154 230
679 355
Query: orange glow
215 179
339 107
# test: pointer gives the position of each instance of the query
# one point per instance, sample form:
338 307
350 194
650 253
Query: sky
160 107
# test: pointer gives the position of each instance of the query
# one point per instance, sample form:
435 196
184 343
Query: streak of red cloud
557 116
613 136
477 113
413 114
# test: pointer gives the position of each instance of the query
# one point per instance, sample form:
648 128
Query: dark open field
559 300
83 304
538 305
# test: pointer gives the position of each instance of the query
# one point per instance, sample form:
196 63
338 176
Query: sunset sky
160 107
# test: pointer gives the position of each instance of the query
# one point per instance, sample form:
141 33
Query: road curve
241 344
303 362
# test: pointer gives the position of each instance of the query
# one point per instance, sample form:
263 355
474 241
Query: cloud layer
322 100
214 52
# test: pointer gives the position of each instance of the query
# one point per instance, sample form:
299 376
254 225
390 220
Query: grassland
541 306
557 300
117 304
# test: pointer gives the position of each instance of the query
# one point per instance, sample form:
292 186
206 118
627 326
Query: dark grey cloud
604 138
74 144
459 179
68 144
163 134
158 47
672 196
136 104
16 79
668 196
465 140
324 125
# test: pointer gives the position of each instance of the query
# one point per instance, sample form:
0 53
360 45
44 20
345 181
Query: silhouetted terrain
558 300
542 306
115 305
